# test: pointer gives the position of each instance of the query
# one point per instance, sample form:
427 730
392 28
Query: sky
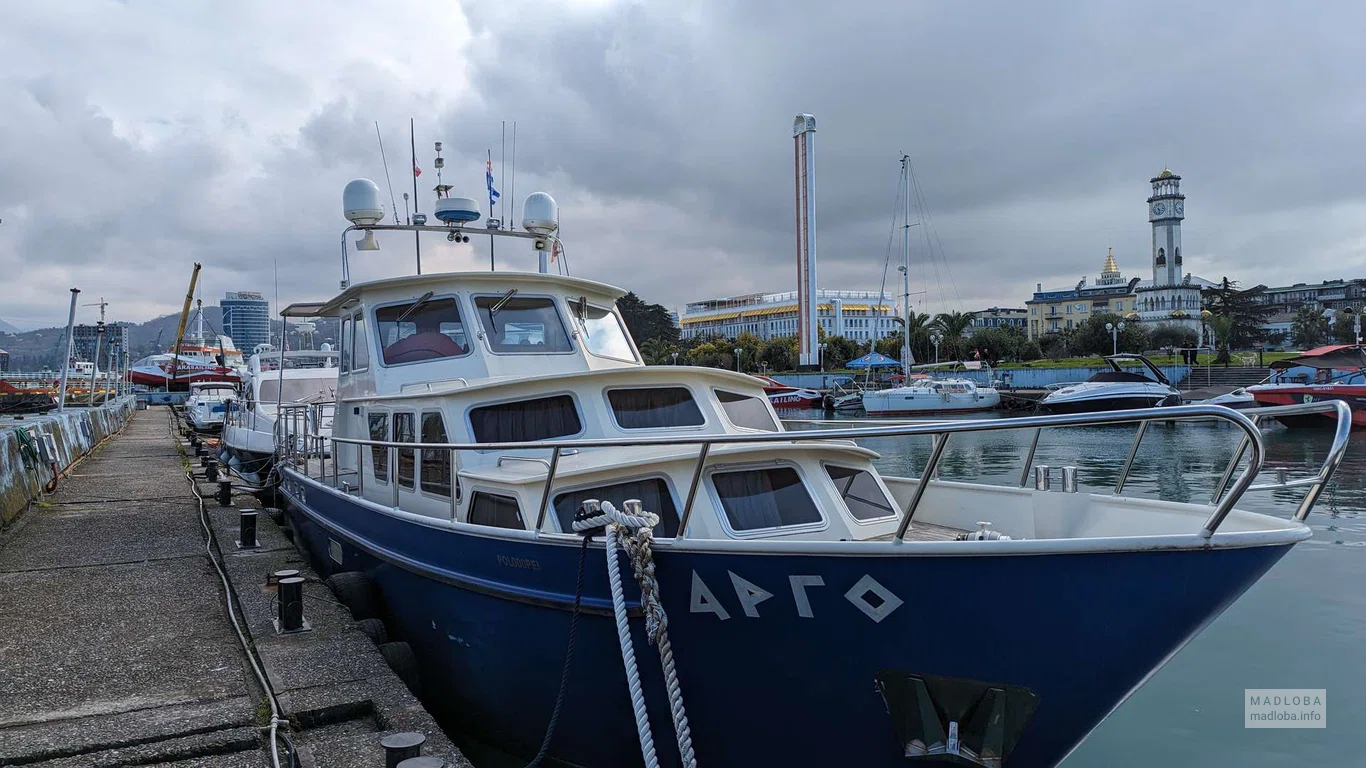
138 137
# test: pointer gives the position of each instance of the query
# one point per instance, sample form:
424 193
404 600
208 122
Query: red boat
783 396
1336 372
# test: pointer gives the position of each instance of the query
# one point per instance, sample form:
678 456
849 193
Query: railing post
451 479
390 471
1029 457
940 440
1224 479
1129 462
545 495
692 489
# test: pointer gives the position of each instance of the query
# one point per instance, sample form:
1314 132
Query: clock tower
1166 209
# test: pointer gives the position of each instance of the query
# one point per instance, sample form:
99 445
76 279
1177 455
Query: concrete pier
115 642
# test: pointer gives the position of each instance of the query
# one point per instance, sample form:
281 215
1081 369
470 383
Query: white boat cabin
509 357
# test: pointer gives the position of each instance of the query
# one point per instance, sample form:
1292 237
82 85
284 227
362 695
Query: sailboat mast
906 269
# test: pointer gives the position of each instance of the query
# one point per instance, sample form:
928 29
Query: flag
416 171
488 177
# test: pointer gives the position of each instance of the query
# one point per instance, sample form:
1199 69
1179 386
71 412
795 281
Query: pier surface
116 646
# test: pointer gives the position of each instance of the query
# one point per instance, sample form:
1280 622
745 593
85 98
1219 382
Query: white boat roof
493 281
634 375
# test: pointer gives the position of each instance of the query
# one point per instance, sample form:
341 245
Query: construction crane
184 318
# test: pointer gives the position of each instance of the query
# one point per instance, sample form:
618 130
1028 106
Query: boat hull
881 403
797 398
1116 403
1281 394
766 645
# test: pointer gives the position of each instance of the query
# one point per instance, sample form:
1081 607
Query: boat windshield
426 329
522 325
603 334
298 390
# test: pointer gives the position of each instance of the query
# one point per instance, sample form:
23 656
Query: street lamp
675 358
1114 336
1356 322
738 350
821 349
936 337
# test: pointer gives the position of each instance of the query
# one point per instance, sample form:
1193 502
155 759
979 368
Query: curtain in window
525 421
379 455
403 433
764 498
496 511
653 494
654 407
436 465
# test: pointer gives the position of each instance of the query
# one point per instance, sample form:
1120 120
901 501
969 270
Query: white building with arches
1173 294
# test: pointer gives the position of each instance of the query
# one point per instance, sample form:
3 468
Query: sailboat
922 395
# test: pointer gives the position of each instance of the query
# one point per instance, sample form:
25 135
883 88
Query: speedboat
207 403
1335 372
298 386
921 394
784 396
1237 399
489 424
1116 389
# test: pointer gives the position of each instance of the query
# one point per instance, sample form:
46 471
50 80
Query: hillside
34 350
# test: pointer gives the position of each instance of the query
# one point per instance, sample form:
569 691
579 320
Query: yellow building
1057 310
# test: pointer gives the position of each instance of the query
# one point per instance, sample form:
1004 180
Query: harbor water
1301 626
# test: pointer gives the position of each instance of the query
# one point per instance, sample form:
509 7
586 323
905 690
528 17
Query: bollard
291 611
275 578
1042 480
246 529
204 461
211 471
198 448
224 493
1069 479
401 746
425 761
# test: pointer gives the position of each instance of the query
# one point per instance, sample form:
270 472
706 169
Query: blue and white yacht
816 611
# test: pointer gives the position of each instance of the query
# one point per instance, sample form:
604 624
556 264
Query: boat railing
302 446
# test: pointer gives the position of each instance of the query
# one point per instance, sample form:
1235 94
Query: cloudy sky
137 137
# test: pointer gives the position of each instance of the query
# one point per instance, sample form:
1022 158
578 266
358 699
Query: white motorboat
1237 399
207 403
489 424
1120 388
301 386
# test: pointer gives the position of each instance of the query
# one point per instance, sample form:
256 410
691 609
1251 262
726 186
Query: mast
66 358
906 270
180 329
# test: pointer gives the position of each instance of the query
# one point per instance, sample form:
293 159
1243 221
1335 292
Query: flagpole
417 236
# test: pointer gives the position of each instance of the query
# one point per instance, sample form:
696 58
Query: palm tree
1222 326
953 325
657 352
918 332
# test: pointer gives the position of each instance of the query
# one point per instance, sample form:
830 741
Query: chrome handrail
940 431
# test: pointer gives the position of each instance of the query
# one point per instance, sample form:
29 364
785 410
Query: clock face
1180 209
1159 209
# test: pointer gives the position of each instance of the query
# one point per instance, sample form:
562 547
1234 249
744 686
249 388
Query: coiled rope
633 529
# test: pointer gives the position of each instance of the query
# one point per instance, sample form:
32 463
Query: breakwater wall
73 433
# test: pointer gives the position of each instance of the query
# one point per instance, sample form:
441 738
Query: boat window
653 494
654 407
436 464
494 510
603 333
360 346
298 390
514 324
345 344
745 411
764 498
379 455
403 433
425 329
521 421
862 495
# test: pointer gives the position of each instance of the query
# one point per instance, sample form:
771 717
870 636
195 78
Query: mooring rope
633 529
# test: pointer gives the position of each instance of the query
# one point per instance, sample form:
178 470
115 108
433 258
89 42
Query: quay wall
1011 378
75 431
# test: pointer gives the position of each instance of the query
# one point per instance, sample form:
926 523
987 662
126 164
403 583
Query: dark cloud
135 140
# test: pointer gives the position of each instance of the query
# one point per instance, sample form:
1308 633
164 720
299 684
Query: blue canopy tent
874 360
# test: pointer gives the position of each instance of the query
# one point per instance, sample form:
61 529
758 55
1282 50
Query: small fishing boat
1120 388
490 424
207 403
300 386
1335 372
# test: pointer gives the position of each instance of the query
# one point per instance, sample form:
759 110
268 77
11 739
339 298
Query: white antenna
393 204
512 174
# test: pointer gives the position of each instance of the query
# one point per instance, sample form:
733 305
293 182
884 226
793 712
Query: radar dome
457 210
540 215
362 204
